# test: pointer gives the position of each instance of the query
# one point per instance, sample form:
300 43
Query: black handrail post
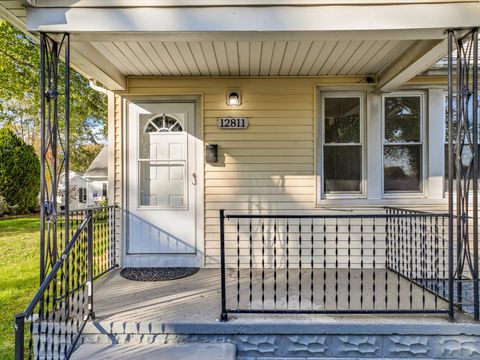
224 314
90 264
451 309
19 336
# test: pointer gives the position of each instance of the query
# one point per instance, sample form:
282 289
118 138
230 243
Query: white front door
161 185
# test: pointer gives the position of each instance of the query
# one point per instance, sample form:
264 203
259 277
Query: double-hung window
403 143
342 117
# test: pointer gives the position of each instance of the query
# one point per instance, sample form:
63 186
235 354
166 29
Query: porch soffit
252 58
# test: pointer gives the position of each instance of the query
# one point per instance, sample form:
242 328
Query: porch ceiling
252 58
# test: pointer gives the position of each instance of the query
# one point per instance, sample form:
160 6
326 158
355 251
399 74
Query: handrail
95 208
327 216
61 313
414 211
29 309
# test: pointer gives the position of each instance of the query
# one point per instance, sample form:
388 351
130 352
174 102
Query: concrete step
191 351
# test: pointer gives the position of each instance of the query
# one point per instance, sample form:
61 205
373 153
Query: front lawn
19 248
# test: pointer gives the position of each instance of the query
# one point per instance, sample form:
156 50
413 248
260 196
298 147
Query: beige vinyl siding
268 167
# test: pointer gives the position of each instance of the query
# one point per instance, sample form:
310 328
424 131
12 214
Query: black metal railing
386 262
418 251
104 225
51 325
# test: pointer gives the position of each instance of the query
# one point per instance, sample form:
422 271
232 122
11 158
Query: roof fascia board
381 35
208 3
215 19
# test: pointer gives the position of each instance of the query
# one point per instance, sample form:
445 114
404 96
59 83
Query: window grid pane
342 120
402 119
342 147
403 144
402 168
343 169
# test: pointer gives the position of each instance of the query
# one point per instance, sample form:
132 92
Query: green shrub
103 202
19 173
4 208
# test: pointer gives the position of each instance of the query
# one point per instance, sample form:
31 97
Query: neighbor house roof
99 166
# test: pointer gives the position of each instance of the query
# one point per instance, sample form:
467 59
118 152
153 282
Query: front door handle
194 179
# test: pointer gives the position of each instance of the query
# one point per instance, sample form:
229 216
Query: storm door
161 184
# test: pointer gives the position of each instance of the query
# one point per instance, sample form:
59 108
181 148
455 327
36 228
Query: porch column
463 167
54 146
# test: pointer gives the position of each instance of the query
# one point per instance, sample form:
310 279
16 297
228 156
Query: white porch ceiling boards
252 58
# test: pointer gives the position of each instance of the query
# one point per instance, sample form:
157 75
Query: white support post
374 146
436 143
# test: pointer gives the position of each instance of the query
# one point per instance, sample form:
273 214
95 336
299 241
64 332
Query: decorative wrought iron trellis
463 163
54 135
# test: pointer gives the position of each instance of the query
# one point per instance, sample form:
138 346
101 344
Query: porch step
191 351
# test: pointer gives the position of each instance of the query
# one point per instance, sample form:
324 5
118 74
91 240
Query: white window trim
321 195
423 131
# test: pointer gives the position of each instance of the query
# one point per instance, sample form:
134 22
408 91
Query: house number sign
232 123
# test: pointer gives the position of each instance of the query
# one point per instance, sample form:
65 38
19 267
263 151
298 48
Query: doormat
157 273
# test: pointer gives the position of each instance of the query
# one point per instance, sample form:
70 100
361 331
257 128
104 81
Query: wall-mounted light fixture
234 97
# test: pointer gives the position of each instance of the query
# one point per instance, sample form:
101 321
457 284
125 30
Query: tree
83 157
20 96
19 172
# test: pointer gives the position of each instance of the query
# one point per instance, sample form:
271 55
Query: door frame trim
197 100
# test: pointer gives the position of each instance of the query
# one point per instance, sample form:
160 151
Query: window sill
406 195
410 202
340 196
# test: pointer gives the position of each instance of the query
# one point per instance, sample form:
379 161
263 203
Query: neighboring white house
97 178
78 191
90 188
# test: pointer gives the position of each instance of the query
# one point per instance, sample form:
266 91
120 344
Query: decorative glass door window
342 128
162 161
403 143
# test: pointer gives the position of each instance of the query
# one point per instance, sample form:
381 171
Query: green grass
19 248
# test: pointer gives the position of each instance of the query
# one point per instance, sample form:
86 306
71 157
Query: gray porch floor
196 299
133 314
